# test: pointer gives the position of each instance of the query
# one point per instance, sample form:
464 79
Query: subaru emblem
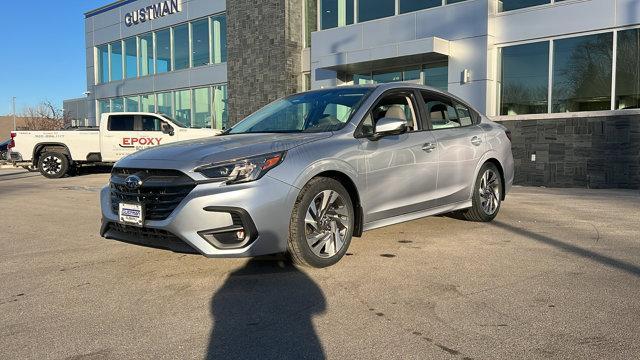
133 182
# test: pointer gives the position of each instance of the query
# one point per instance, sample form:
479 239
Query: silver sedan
308 172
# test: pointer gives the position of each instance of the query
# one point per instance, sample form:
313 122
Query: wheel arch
41 147
354 194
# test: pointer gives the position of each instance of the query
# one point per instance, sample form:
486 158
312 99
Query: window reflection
146 54
131 57
375 9
103 64
116 61
181 47
524 79
414 5
336 13
628 70
202 107
506 5
163 51
582 73
200 42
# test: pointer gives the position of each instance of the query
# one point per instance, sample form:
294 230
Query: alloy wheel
489 192
52 165
326 224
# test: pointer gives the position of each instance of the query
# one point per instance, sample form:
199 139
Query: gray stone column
264 45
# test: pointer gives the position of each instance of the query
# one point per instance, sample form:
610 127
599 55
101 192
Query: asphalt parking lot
557 275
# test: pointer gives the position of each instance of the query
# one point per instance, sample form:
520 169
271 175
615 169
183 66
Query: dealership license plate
132 214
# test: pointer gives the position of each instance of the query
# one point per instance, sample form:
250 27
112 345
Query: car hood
219 148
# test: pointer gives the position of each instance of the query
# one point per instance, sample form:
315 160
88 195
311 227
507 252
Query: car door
401 170
460 142
128 133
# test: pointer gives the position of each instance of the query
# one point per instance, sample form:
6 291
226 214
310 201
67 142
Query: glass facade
375 9
202 107
115 63
628 70
200 43
131 57
415 5
524 85
582 73
336 13
103 64
181 47
163 51
193 44
182 107
507 5
145 58
432 74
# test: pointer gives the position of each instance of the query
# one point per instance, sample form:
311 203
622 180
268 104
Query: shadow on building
264 311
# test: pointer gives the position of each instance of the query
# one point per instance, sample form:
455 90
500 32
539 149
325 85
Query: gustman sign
151 12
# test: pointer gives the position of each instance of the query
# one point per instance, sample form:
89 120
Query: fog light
240 234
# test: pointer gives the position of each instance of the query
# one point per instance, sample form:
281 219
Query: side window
121 123
443 114
398 106
464 115
151 123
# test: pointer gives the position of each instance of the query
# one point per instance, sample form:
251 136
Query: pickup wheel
53 165
321 224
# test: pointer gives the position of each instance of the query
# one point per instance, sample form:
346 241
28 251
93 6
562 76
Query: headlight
244 170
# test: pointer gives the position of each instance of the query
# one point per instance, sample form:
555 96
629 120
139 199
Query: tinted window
628 70
375 9
582 73
150 123
413 5
181 47
506 5
200 42
121 123
335 13
524 79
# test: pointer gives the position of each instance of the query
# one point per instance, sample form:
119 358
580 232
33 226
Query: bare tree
45 116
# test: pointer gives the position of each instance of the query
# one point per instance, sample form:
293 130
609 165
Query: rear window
121 123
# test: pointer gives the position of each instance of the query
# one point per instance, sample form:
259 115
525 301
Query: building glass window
310 20
219 39
375 9
103 64
437 75
220 113
163 51
132 103
131 57
414 5
116 60
202 108
182 107
104 106
200 43
582 73
628 70
524 80
148 103
117 105
306 82
181 47
146 54
386 77
336 13
507 5
361 79
165 104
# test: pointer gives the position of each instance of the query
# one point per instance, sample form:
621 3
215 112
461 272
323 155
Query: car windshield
314 111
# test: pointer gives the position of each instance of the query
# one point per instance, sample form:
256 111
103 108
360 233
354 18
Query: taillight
12 143
508 133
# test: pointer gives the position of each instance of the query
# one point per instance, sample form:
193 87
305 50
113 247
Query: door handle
476 140
429 147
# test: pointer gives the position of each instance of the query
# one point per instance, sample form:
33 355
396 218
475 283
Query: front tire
321 224
53 165
487 195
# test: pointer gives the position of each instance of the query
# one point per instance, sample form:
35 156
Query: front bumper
263 207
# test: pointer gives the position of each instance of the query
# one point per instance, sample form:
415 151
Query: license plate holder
131 214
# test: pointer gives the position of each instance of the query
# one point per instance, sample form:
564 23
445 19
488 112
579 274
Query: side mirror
389 126
167 129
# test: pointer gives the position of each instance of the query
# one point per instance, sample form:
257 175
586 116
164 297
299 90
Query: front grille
156 238
161 191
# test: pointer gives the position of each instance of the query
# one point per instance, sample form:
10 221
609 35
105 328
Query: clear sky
43 54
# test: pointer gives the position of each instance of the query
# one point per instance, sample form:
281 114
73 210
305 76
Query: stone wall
264 45
592 152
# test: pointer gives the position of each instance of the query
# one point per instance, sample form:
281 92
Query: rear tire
487 195
321 224
53 165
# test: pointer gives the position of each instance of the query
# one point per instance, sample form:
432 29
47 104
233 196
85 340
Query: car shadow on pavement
576 250
264 311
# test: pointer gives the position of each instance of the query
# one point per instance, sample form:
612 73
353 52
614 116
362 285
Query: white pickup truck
56 153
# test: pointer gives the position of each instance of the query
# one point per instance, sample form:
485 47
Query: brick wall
592 152
264 44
